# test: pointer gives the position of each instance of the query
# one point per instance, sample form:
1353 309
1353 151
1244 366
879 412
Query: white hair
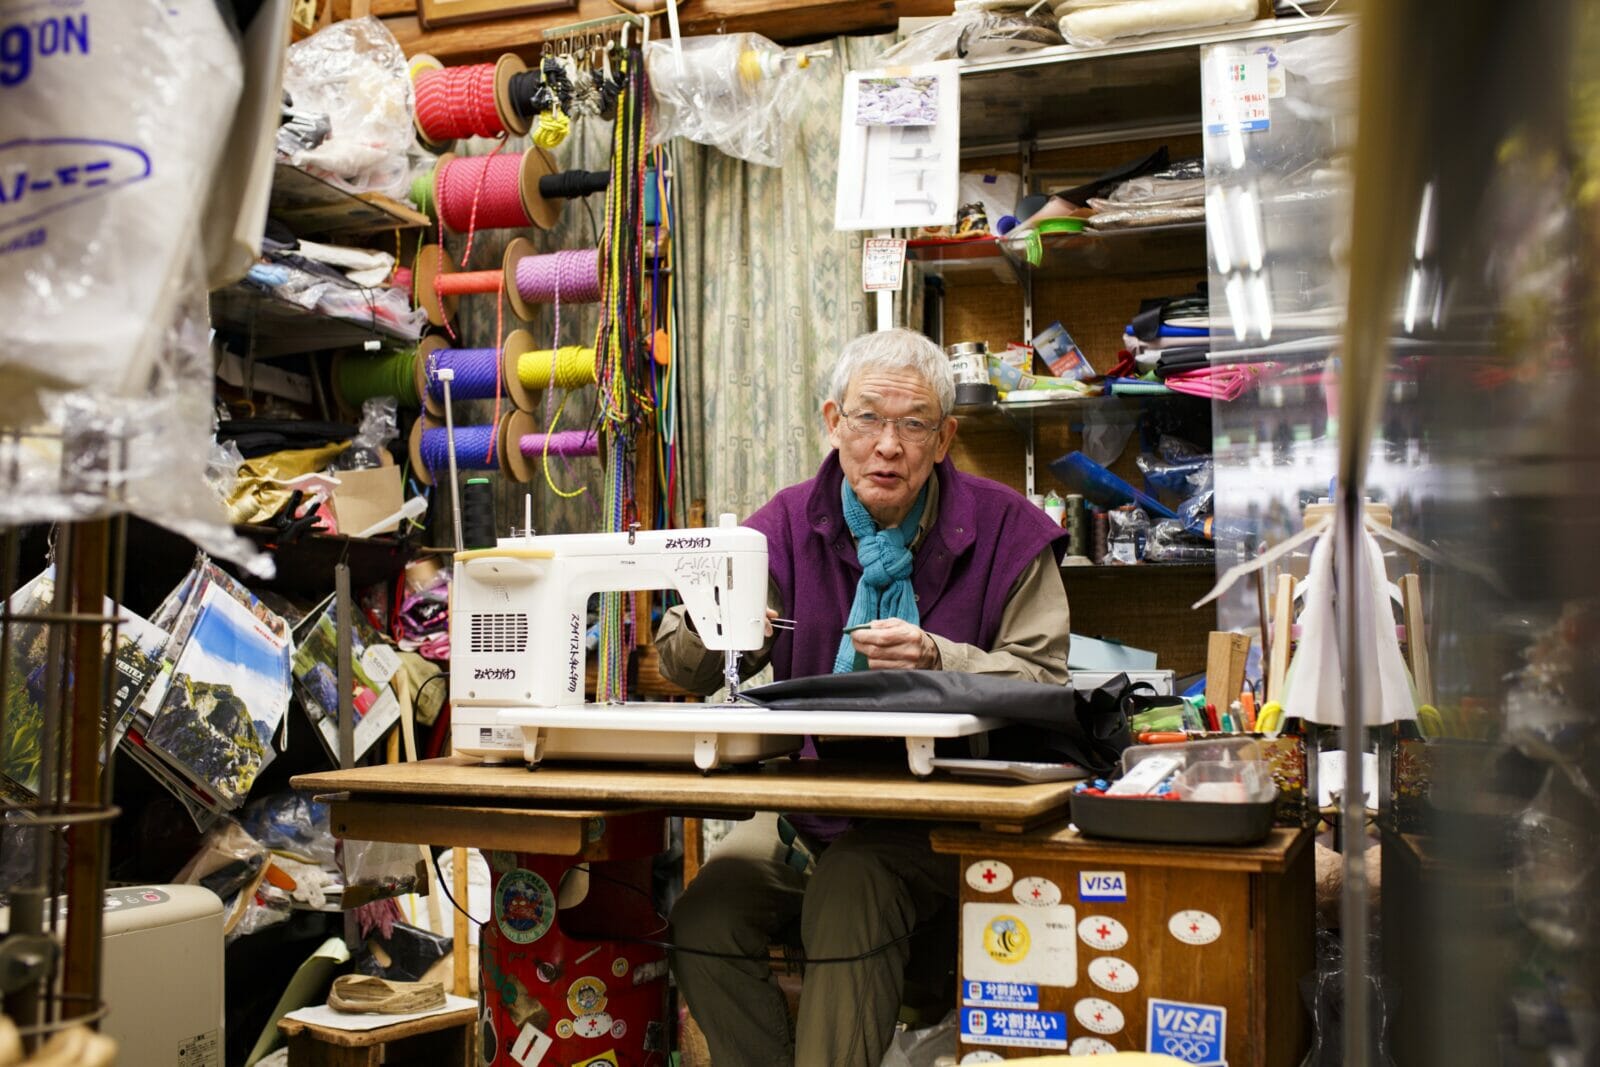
895 350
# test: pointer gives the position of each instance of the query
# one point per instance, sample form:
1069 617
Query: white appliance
161 975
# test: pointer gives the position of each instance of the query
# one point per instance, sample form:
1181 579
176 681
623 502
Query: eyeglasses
912 431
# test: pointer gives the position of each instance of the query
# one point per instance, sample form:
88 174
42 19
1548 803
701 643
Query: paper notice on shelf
1235 90
883 264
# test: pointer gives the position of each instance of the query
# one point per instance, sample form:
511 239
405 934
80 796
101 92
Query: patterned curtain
771 292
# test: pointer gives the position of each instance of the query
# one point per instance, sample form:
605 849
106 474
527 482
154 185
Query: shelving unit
1072 113
272 326
1148 249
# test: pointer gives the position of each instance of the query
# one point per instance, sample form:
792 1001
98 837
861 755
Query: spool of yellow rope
571 365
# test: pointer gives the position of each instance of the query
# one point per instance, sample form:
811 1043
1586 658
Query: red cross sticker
1036 893
1194 928
1104 931
1111 976
1099 1017
989 875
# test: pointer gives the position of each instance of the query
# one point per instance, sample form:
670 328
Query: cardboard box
367 496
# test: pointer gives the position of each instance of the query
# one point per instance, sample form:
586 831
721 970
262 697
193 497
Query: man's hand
894 644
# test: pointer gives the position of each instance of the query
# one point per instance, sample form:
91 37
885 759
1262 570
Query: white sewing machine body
519 613
518 618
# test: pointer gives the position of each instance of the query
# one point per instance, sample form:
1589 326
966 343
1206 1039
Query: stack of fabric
1175 194
1092 23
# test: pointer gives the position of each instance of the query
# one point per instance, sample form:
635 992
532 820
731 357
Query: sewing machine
517 623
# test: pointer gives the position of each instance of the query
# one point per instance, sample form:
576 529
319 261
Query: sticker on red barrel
1036 892
1194 1033
1091 1046
1103 932
1098 1014
586 996
1109 887
608 1058
529 1049
596 1025
1113 975
1194 927
1000 994
524 907
1018 1029
989 876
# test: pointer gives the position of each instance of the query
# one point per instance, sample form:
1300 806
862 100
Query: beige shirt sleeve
685 660
1033 639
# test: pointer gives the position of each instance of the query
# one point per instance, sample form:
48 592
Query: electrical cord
673 946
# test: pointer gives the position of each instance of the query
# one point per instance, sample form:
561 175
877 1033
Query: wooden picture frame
435 13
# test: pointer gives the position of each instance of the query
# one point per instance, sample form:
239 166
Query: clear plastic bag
229 860
354 73
975 33
927 1047
730 91
375 870
379 425
291 823
1092 23
109 371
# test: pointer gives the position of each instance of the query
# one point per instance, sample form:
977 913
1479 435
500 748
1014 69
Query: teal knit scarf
884 591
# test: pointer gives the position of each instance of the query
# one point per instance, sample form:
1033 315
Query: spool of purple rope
477 449
477 374
562 443
573 273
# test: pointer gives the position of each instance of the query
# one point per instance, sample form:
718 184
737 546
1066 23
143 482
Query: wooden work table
458 801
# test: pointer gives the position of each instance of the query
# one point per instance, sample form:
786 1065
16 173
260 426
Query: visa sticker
1018 1029
1103 886
1194 1033
1000 994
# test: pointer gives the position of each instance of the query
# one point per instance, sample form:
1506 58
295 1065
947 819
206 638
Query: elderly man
939 570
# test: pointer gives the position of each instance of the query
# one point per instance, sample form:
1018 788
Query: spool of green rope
422 192
357 379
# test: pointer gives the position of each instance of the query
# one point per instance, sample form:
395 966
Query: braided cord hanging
622 376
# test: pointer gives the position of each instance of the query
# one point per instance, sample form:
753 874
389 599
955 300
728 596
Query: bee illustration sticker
586 995
1194 927
524 907
1006 939
989 876
1036 892
1103 932
1091 1046
1099 1015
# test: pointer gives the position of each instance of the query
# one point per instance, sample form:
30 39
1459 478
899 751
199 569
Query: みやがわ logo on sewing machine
493 674
688 543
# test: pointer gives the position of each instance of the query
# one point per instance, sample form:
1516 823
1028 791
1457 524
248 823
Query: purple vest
983 538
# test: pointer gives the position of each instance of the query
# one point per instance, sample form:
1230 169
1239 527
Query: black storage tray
1179 822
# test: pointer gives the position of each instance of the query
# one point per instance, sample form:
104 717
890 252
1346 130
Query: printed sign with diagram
899 148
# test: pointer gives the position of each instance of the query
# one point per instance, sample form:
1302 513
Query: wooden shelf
306 565
310 207
272 326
